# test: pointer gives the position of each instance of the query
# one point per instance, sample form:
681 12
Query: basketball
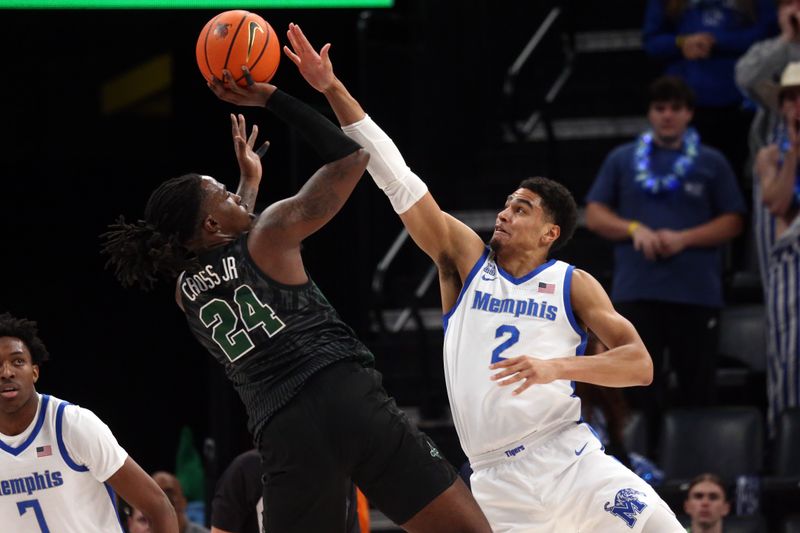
236 38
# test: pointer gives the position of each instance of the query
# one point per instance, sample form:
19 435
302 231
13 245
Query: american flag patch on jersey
44 451
547 288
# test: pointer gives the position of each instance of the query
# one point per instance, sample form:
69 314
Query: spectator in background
707 504
776 163
238 500
136 522
700 41
757 73
777 188
758 70
669 203
172 488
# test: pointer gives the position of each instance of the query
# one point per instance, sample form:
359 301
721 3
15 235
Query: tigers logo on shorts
627 505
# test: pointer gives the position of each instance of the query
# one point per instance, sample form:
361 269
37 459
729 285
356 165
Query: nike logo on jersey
578 452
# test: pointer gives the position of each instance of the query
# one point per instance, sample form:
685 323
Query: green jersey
269 337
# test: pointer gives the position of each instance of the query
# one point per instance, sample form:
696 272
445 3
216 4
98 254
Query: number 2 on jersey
221 318
23 507
506 344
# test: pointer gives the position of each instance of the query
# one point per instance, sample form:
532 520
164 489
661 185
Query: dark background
430 73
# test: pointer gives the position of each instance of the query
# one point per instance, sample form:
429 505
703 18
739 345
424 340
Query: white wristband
386 165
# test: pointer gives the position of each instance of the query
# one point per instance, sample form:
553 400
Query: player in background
59 464
515 324
316 407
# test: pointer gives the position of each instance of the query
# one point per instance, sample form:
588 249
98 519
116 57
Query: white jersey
52 475
496 317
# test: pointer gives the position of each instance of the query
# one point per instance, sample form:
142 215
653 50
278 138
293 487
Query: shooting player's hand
255 94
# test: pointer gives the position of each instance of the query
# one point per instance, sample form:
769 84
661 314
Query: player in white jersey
59 464
515 326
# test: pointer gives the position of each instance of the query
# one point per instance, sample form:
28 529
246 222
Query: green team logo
232 339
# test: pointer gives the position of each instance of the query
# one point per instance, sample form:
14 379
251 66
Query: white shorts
564 484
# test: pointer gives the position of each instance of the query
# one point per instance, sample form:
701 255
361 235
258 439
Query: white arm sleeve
90 443
386 165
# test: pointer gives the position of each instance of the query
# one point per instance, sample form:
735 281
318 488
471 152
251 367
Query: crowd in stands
724 118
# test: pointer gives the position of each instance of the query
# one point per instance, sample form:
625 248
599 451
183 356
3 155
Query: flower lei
783 146
654 184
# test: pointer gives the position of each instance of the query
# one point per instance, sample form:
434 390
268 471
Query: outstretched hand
315 67
255 94
248 158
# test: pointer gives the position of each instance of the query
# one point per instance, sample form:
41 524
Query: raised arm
445 239
274 241
249 160
757 69
778 194
778 178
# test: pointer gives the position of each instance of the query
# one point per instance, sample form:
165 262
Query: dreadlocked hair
26 331
145 251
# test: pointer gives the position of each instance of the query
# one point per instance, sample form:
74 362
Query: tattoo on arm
322 196
316 201
249 194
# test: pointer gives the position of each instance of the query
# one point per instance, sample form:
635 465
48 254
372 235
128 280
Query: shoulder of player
580 276
583 285
78 420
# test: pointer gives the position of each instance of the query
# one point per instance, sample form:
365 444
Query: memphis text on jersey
530 307
207 278
30 484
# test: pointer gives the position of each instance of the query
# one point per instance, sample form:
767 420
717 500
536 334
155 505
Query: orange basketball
236 38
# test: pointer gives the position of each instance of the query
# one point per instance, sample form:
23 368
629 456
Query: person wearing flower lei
777 163
776 186
669 203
